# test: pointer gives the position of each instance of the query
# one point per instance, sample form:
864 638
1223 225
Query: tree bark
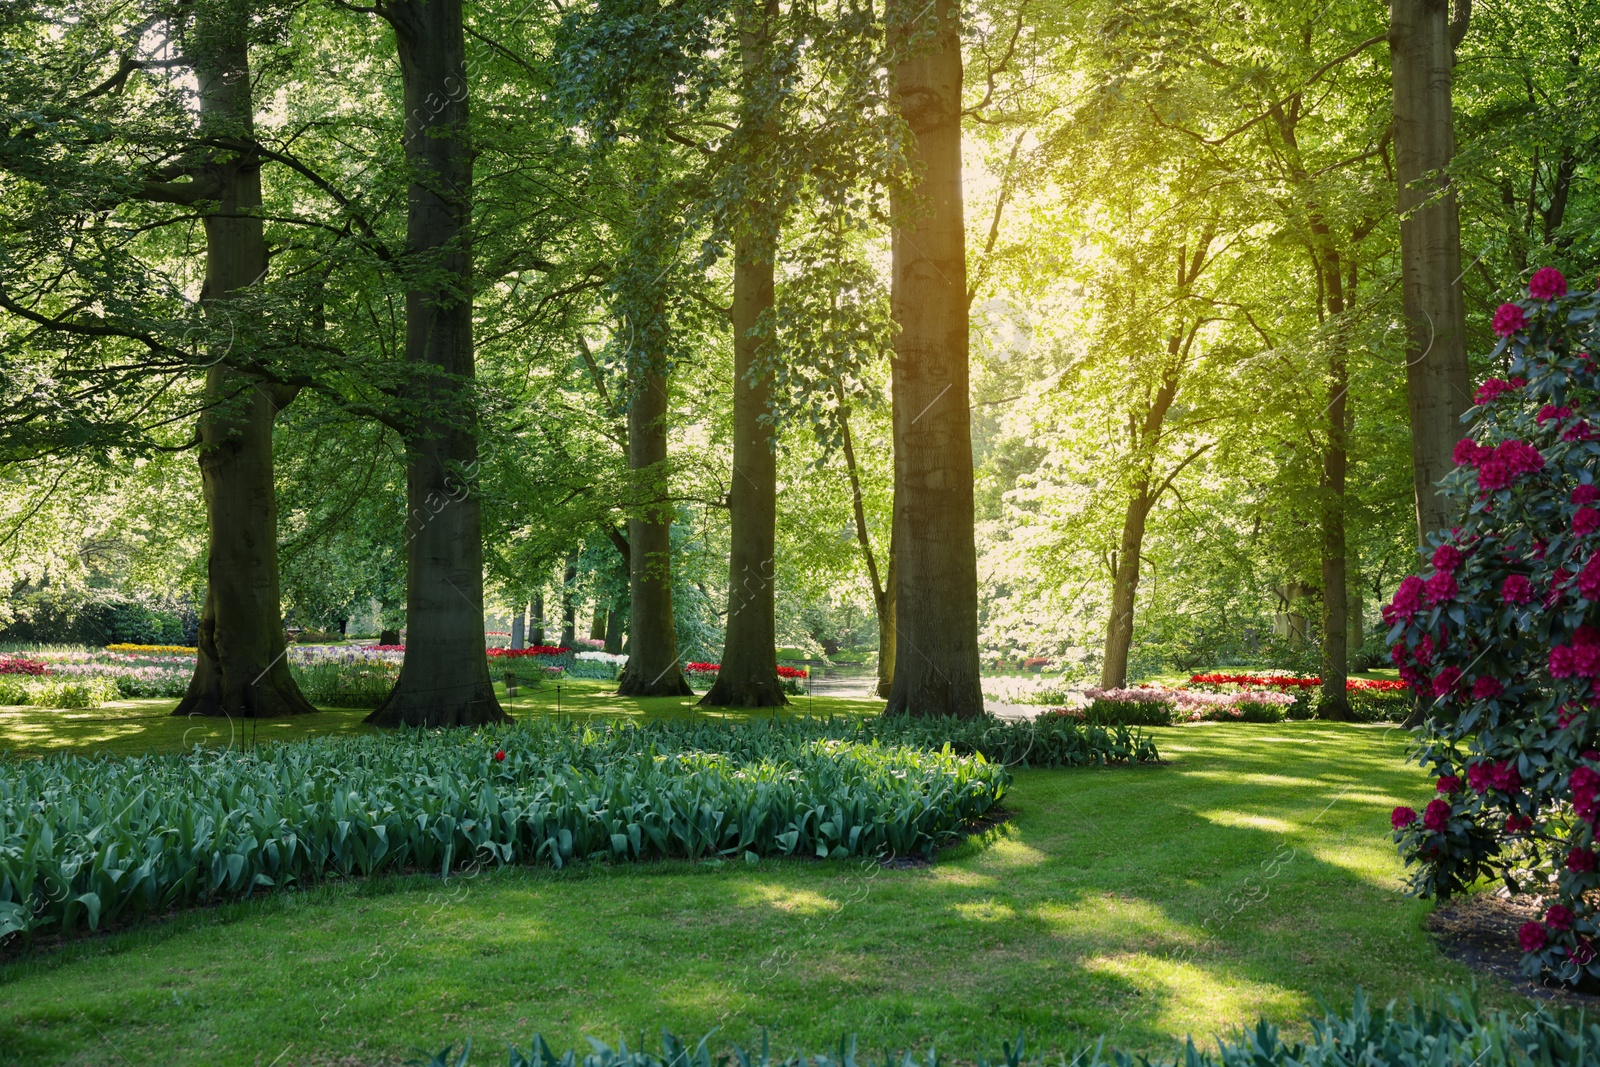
1335 701
536 620
597 624
749 671
653 668
936 584
882 591
1125 587
1145 437
1438 389
887 636
519 630
240 664
615 633
444 680
569 604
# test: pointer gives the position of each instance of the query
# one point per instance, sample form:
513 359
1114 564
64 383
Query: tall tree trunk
887 637
240 666
749 674
1335 701
519 630
536 619
653 668
616 628
569 603
936 583
1422 46
1125 588
882 591
597 624
444 680
1145 433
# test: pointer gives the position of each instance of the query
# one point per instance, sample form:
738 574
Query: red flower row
1287 681
531 650
713 668
22 665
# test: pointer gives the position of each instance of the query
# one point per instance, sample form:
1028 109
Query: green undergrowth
87 841
1456 1033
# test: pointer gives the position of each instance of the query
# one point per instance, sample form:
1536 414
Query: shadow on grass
1246 877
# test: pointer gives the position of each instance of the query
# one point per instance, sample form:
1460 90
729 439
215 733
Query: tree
748 675
444 680
1422 41
936 578
240 667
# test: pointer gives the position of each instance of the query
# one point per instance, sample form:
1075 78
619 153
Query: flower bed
1372 699
84 678
85 842
704 674
1159 706
604 666
22 665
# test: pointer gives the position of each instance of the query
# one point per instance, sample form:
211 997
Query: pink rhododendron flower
1579 860
1448 783
1578 431
1407 599
1559 917
1424 651
1446 680
1585 521
1487 687
1441 587
1495 388
1508 319
1547 283
1581 659
1469 453
1586 494
1584 783
1436 815
1516 824
1447 558
1402 817
1550 411
1532 936
1504 777
1516 590
1589 579
1511 460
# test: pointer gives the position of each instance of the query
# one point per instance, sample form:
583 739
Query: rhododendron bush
1501 633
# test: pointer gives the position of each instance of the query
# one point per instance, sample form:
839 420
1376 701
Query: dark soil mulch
1481 931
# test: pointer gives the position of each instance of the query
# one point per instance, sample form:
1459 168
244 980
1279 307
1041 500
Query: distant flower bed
603 666
85 678
1373 699
531 650
179 649
1292 681
705 673
1159 706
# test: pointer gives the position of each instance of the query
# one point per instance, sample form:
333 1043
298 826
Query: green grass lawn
130 727
1247 876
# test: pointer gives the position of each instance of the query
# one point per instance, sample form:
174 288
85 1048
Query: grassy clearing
129 727
1249 875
